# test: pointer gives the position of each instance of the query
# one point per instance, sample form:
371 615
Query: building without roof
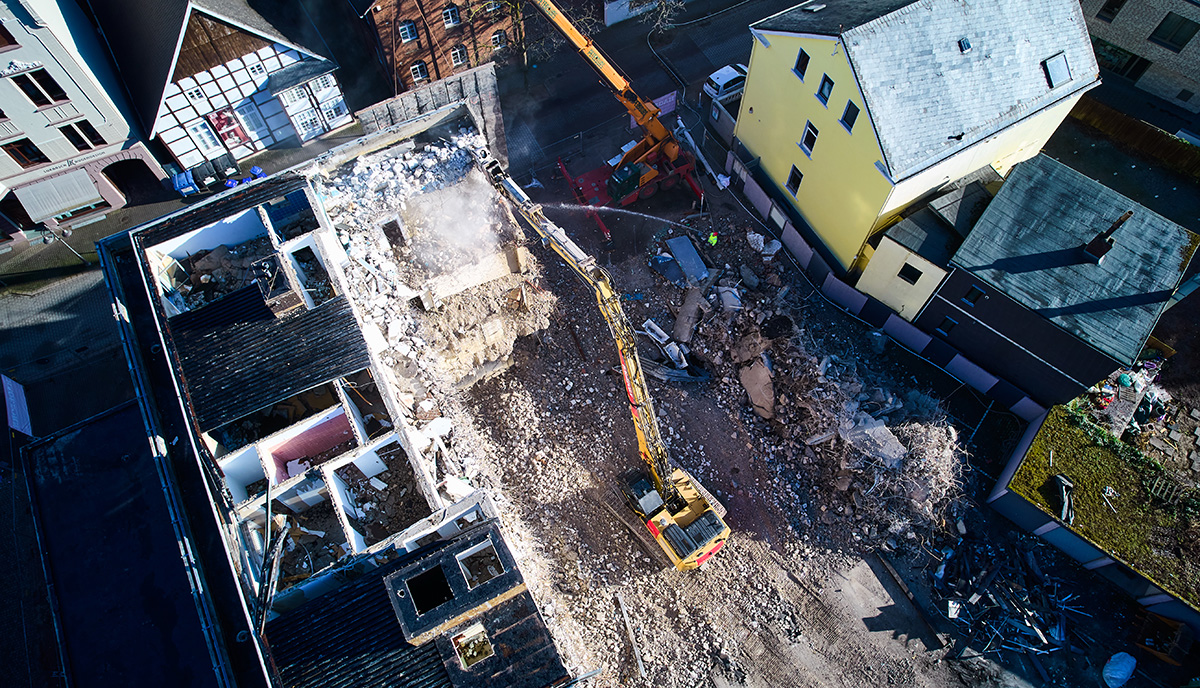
317 479
1057 283
215 81
854 111
1152 43
71 149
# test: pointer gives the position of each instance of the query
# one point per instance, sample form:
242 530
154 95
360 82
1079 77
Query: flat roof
123 599
926 234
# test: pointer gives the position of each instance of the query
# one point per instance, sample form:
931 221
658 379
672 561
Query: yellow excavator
684 519
656 162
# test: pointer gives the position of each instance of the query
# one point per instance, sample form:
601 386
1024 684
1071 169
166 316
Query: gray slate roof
920 90
1028 245
142 36
927 235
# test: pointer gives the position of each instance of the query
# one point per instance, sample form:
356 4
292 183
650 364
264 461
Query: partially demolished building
283 337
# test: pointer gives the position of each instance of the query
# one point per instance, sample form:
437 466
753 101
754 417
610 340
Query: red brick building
426 40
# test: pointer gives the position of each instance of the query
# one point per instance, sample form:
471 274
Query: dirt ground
800 596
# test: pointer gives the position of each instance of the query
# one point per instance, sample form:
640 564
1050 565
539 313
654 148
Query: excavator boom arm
644 113
650 442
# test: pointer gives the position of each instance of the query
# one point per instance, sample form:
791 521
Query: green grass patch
1155 539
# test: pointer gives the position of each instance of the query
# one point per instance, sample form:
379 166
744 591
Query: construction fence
777 218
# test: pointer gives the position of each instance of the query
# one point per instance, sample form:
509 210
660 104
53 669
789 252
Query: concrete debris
870 436
655 332
730 299
749 347
689 315
749 278
432 265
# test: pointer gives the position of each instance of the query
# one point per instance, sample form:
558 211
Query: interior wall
242 468
319 438
233 230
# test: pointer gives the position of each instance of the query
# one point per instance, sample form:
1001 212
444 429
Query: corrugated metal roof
928 99
231 370
1028 244
221 206
350 638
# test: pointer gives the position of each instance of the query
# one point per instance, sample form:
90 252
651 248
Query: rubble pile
385 503
551 438
313 276
214 273
1000 600
414 217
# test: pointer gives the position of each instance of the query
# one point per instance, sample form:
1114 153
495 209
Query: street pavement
562 97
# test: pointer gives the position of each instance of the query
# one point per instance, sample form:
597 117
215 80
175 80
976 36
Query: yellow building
854 110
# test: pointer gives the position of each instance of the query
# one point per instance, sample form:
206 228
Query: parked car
726 83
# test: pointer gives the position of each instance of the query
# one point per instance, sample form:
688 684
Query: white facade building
64 122
213 80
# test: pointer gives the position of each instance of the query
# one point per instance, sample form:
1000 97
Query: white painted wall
40 47
241 468
230 231
183 122
881 279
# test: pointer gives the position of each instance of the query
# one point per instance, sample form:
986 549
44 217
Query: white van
726 82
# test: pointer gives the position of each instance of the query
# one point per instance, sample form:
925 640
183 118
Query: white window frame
257 69
419 71
251 119
493 5
299 119
458 55
292 96
808 148
408 31
450 16
201 133
195 94
322 83
328 109
503 39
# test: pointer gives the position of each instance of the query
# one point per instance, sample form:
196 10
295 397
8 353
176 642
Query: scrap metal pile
1001 600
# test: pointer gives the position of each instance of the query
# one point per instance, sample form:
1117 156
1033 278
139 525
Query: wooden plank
637 652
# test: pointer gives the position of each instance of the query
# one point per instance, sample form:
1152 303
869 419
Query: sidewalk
1120 94
32 265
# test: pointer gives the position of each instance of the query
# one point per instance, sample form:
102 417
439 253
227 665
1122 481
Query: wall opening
429 589
480 564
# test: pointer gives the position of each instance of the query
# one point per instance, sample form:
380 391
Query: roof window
1058 72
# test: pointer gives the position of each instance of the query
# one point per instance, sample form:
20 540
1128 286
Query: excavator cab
688 531
624 181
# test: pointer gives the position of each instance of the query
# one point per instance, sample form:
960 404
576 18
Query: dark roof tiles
1029 245
234 370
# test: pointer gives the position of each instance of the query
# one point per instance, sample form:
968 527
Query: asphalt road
560 97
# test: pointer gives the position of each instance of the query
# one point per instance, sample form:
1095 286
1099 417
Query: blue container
184 183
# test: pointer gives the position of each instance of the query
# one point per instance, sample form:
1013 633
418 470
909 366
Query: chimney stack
1103 242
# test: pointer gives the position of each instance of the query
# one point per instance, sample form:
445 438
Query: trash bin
185 183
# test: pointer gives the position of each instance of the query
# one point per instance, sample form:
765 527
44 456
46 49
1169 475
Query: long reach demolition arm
685 520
